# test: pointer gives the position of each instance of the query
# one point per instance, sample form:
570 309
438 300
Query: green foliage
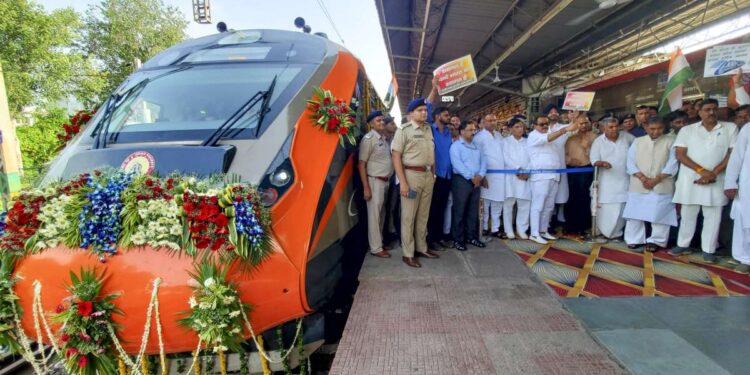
39 143
8 305
37 53
119 31
216 309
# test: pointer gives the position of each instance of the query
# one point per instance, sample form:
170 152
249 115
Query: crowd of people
438 181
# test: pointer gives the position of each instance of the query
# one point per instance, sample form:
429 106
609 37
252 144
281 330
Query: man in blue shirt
440 118
469 168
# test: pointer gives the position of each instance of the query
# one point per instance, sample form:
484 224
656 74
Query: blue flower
247 223
99 222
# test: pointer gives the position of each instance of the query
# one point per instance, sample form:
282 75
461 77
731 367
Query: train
172 115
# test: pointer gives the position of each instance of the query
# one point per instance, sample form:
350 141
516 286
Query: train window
192 103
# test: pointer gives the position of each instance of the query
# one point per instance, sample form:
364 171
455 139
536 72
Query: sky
356 20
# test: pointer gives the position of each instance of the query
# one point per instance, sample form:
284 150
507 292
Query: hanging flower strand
333 115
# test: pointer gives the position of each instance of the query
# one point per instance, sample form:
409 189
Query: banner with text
455 74
724 60
578 100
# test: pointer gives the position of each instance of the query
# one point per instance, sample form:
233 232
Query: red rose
326 101
217 244
59 309
343 130
202 244
149 182
82 361
316 107
221 220
64 337
71 352
333 123
85 308
331 112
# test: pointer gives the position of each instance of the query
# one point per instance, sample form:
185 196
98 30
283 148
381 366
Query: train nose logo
139 162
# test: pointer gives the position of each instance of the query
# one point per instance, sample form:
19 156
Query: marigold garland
333 115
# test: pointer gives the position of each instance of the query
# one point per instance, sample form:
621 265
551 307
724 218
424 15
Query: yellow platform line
693 283
538 255
557 284
583 276
649 285
721 289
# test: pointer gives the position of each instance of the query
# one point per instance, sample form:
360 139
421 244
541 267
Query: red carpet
578 269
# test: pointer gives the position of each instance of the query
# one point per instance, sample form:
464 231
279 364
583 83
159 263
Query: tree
37 53
117 32
39 143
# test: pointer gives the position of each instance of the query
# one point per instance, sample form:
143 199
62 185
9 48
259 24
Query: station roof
567 43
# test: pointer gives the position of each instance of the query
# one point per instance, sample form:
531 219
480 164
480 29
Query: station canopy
525 48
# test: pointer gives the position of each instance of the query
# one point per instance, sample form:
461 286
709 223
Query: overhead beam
404 28
502 89
421 44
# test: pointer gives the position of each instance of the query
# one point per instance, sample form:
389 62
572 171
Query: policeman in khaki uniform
375 170
414 161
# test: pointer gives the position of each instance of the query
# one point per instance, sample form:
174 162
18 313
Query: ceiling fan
603 5
497 77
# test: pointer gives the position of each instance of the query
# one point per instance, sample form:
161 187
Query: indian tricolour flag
390 96
679 73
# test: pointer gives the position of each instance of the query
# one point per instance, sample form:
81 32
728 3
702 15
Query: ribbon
537 171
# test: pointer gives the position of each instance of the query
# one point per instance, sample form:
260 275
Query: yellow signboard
455 74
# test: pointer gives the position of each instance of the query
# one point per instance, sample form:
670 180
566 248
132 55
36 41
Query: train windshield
190 102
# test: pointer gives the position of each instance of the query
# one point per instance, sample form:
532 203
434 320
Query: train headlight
280 177
268 196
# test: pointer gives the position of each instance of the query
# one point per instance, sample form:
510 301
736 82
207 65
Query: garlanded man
652 166
375 169
490 143
703 149
469 169
577 150
517 190
413 153
609 152
737 187
544 154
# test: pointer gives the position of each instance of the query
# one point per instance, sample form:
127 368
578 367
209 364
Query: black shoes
459 246
477 243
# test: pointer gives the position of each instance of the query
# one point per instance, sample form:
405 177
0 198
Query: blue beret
549 107
418 102
374 114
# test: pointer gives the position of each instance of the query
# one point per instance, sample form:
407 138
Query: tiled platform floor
478 312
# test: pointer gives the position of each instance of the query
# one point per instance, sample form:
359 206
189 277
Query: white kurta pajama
563 191
491 146
654 206
542 155
707 149
738 177
517 191
613 183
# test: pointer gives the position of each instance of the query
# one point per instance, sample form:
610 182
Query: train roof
307 48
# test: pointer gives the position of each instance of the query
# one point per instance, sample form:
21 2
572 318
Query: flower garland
215 310
151 215
21 223
76 123
333 115
99 220
248 221
86 319
206 222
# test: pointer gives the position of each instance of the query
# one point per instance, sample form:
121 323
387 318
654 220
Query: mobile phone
412 194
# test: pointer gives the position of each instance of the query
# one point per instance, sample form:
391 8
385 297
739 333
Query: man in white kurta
737 187
652 166
703 150
563 192
543 155
517 190
490 143
609 152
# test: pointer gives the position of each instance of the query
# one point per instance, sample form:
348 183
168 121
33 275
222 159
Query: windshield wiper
262 97
104 122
